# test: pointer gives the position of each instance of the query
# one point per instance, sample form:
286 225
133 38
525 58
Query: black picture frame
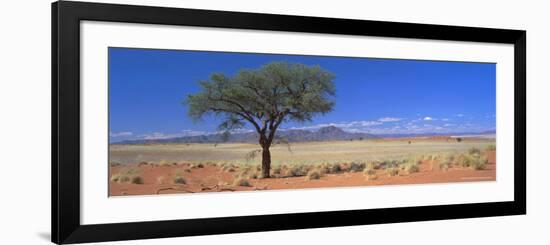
66 17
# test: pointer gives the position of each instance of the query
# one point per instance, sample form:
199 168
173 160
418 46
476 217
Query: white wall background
25 121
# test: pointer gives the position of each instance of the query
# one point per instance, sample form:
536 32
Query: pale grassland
301 153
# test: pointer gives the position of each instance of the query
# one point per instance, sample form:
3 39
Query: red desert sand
192 178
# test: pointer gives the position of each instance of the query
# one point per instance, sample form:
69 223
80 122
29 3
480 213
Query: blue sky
380 96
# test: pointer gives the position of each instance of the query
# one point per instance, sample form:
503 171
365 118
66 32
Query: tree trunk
266 162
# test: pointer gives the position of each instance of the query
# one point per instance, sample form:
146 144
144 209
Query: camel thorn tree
266 97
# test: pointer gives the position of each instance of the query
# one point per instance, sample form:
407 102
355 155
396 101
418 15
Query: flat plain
193 168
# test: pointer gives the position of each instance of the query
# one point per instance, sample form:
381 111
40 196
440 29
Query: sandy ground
210 178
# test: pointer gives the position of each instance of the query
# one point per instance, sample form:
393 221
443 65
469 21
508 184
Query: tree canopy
265 97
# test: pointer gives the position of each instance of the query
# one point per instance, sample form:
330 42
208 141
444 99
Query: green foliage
265 97
274 91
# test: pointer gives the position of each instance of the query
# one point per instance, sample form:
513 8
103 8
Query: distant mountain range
330 133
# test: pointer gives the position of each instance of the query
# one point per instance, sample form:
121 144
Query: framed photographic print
177 122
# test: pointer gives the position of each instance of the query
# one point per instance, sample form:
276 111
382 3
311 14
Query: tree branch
250 119
274 127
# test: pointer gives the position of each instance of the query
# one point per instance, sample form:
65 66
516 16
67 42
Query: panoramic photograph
183 122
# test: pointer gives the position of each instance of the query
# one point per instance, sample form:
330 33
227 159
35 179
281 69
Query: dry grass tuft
127 175
393 171
137 180
356 167
241 182
412 167
179 180
313 174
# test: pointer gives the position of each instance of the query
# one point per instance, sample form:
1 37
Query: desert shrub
114 164
473 151
474 161
247 171
377 165
245 168
241 174
313 174
450 158
356 167
370 166
412 167
241 182
435 157
369 170
479 163
115 177
335 168
465 160
137 180
124 178
125 175
392 171
228 168
491 147
178 179
254 174
446 162
297 170
200 165
444 165
276 169
389 164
